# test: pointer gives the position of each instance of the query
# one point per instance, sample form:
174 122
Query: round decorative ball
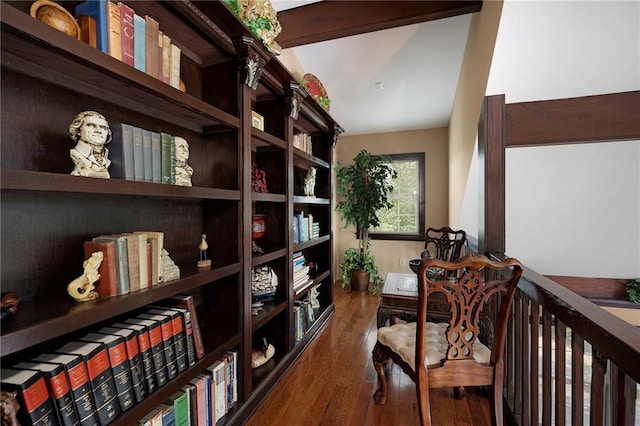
55 16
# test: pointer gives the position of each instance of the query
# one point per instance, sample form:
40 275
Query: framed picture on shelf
257 120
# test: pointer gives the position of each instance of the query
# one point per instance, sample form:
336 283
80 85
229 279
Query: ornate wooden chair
450 354
444 243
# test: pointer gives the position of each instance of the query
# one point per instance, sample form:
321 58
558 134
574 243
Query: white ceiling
418 66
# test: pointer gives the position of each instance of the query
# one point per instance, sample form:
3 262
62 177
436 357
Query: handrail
613 337
616 349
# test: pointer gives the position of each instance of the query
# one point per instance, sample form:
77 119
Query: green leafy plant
364 186
633 290
323 101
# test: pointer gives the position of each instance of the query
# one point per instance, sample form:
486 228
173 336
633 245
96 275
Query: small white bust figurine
90 131
183 170
310 182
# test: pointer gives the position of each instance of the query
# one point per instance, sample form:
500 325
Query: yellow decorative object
82 288
55 16
260 17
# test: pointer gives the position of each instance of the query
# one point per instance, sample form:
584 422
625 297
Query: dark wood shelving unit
47 214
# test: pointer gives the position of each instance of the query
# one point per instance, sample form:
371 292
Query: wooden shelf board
261 138
268 197
37 50
269 311
42 320
298 199
24 180
302 158
310 243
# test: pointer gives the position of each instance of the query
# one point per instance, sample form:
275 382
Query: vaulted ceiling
386 65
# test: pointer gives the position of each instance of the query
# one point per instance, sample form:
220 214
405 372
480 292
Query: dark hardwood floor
333 381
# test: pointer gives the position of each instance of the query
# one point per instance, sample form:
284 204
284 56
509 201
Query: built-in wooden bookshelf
49 77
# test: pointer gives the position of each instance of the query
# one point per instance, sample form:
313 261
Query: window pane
406 215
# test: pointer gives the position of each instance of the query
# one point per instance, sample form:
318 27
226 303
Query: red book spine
35 395
126 30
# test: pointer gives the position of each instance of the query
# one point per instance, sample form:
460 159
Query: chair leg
380 361
496 405
424 406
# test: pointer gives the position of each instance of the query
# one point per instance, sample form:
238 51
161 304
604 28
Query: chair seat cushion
401 338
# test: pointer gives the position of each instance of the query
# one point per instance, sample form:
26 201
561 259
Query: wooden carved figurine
204 263
310 182
9 407
82 288
90 131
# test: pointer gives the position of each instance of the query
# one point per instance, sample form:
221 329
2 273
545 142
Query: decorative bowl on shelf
414 264
434 272
55 16
316 90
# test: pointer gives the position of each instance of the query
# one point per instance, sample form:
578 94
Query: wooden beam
599 118
491 189
328 20
602 288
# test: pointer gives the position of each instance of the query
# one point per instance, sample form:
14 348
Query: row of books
304 314
204 400
142 155
96 377
304 228
300 271
302 141
118 31
131 261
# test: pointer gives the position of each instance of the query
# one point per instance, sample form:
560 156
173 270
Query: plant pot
360 280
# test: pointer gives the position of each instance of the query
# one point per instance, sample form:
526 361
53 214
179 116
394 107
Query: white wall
569 207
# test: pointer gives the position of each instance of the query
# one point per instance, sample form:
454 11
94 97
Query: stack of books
142 155
303 317
205 400
99 375
300 271
302 141
131 261
305 228
115 29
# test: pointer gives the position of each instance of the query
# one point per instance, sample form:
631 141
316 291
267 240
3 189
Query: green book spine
147 165
138 155
180 403
156 158
173 160
166 157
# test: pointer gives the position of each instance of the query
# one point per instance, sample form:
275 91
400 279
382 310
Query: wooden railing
568 361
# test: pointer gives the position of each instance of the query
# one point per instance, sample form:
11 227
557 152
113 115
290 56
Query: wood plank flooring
333 381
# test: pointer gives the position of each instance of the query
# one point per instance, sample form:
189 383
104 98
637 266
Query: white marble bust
183 170
90 131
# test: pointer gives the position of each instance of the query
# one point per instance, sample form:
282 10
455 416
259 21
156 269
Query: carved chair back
444 243
477 281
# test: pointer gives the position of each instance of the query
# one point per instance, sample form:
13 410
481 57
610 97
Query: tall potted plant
364 186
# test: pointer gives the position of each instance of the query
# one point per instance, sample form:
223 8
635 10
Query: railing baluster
598 370
525 333
547 404
577 379
536 387
518 358
535 359
560 373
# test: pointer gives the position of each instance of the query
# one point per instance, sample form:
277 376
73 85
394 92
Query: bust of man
90 131
183 170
